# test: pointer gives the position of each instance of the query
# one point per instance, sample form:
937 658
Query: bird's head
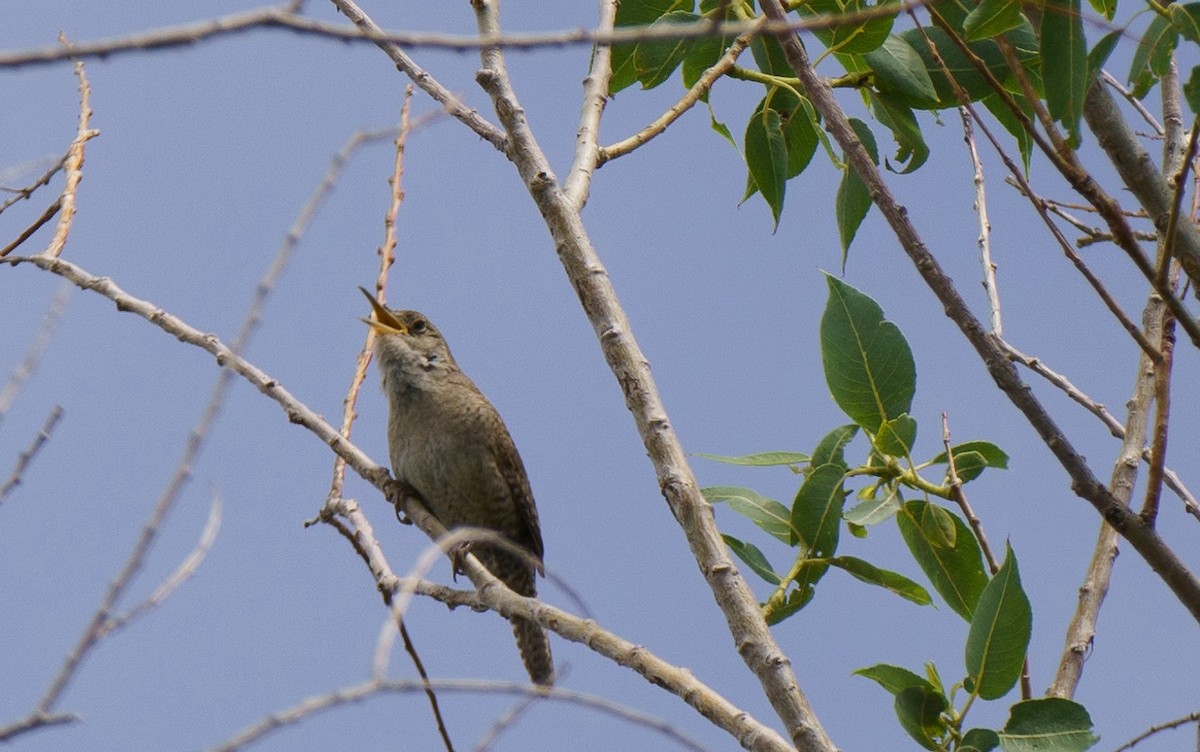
407 344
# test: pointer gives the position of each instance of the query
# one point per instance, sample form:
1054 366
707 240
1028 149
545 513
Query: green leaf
937 525
831 449
637 13
956 573
654 61
767 158
853 200
1191 90
1064 62
893 581
760 459
992 18
1186 18
1100 53
770 58
868 364
894 678
719 127
858 38
852 203
999 634
994 455
920 713
817 511
1051 724
801 134
753 558
768 514
900 120
897 436
960 66
875 510
968 466
1106 8
971 457
899 71
703 54
1153 55
979 740
796 600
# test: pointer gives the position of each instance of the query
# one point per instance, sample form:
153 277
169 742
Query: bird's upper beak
381 319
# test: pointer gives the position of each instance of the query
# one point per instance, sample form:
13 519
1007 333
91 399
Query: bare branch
287 18
37 348
23 194
689 99
366 690
595 96
51 211
1158 727
985 226
182 573
23 459
592 284
1082 629
74 164
1038 366
421 77
33 721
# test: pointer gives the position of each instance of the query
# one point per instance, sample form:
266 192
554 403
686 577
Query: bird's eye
419 326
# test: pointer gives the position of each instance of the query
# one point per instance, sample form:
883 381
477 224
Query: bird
449 445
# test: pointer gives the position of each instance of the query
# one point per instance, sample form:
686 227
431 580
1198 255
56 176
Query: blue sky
205 156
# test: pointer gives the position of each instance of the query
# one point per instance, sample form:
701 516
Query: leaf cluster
871 376
1001 54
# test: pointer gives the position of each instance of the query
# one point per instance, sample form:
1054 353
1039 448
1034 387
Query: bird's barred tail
534 644
532 640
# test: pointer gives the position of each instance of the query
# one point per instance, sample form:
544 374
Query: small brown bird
448 443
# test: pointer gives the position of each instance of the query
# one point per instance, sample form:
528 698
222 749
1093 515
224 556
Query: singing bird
447 442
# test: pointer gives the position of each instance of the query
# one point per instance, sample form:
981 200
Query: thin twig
23 194
36 349
98 625
368 689
1115 427
985 226
386 254
33 721
1039 205
362 539
51 211
182 573
23 459
276 17
427 83
595 96
1134 101
74 164
960 497
1156 728
509 718
697 91
1081 631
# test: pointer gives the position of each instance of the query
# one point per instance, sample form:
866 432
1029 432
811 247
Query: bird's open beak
381 319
